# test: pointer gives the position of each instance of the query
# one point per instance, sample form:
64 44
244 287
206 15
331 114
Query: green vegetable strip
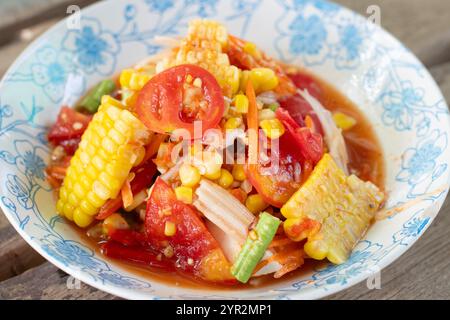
255 247
92 101
274 106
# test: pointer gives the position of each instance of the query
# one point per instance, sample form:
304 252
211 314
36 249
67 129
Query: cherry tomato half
174 99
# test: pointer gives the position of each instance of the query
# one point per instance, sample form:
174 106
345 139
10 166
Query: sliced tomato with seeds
176 97
68 129
193 249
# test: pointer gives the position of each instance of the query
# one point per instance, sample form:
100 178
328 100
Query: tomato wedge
299 150
309 144
68 129
277 186
192 248
174 99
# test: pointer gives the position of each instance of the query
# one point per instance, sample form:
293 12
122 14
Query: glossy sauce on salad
365 160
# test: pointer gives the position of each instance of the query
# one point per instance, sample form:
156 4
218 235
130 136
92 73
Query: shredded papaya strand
252 124
152 147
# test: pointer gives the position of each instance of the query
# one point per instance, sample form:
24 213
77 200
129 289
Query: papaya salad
214 161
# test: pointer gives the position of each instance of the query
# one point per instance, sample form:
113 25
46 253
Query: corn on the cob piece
108 150
204 46
332 210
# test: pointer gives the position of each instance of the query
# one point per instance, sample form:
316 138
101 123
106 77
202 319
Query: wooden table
421 273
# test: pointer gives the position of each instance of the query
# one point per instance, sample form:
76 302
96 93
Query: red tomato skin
298 108
159 102
192 240
64 133
309 144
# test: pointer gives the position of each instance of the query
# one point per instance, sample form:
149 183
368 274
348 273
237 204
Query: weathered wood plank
20 14
48 282
11 51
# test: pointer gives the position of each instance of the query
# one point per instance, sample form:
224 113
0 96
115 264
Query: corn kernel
140 154
263 79
252 49
170 229
226 179
82 219
133 79
212 161
184 194
189 175
273 128
241 103
233 123
125 77
239 172
343 121
255 203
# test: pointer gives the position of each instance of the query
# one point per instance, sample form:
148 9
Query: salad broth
366 161
364 150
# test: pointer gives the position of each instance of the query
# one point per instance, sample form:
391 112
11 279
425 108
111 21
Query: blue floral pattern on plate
400 98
